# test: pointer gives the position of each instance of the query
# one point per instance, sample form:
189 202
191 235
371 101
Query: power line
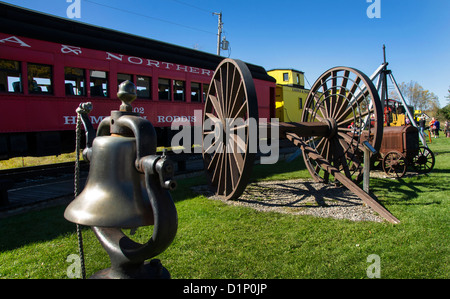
149 17
193 6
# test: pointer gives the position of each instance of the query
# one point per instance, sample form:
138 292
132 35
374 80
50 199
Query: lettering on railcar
158 64
68 49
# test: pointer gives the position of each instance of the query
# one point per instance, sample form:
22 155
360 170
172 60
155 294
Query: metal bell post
127 187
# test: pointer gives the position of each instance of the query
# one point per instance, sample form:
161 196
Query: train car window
196 92
164 89
179 90
40 79
10 76
205 91
286 77
143 86
99 83
74 80
123 77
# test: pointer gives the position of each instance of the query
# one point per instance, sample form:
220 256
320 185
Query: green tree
418 97
444 113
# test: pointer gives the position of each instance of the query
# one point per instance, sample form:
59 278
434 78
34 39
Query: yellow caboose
290 94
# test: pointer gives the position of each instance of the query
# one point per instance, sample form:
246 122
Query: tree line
423 99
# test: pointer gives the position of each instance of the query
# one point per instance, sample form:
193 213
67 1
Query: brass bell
127 187
115 194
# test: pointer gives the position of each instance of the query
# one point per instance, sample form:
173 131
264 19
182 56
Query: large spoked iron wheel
231 109
347 99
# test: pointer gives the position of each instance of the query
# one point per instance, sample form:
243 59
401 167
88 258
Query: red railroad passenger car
49 65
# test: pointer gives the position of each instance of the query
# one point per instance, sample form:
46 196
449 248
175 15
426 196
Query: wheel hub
421 160
332 126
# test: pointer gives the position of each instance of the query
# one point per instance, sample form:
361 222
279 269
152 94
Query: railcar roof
29 23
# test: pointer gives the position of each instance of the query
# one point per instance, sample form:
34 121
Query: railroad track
53 170
35 172
43 186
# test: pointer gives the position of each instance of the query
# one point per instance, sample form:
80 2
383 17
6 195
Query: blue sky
308 35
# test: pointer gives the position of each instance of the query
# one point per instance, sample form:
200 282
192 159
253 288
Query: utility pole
219 31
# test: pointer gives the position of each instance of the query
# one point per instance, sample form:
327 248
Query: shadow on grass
259 172
440 170
405 192
264 171
32 227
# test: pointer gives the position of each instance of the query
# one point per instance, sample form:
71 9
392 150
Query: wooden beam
347 182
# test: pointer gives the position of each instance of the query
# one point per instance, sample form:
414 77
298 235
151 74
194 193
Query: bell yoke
127 187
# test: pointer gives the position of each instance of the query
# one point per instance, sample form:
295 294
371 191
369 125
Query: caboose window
39 79
10 76
196 92
164 89
123 77
179 90
143 86
99 83
74 80
286 77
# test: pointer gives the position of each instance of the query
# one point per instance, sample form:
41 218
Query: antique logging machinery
342 115
400 146
400 149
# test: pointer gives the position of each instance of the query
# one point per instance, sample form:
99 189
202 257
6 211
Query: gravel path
301 197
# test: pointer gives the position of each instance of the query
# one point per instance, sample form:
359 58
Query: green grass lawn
215 240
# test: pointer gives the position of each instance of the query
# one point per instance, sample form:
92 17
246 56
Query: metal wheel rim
394 164
231 99
424 161
341 96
